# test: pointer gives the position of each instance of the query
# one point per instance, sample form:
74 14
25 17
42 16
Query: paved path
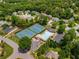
15 50
11 32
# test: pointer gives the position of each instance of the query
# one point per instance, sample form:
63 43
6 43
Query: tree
72 34
42 49
19 22
15 20
5 26
66 13
71 23
43 20
64 53
51 43
68 37
66 40
67 44
41 57
61 29
54 25
25 44
75 51
2 45
61 22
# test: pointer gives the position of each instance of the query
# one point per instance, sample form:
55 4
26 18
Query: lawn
15 39
8 52
1 32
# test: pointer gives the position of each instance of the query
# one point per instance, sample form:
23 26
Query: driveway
15 53
35 44
58 37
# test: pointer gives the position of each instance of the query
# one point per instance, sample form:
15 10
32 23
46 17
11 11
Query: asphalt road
15 53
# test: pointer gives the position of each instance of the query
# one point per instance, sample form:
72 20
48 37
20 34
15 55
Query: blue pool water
46 35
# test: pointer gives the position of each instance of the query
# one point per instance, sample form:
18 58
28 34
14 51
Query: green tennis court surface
31 31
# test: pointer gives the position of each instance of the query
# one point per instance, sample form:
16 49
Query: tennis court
36 28
31 31
25 33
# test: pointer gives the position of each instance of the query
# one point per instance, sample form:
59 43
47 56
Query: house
49 16
50 23
77 33
15 13
25 16
36 13
20 12
66 21
27 12
4 22
52 55
72 19
76 27
1 0
55 19
67 28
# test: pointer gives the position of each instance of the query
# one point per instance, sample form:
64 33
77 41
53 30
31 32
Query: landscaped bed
7 52
1 32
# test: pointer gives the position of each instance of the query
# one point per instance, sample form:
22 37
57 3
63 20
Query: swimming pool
45 35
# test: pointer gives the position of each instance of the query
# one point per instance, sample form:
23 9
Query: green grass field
14 38
8 52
